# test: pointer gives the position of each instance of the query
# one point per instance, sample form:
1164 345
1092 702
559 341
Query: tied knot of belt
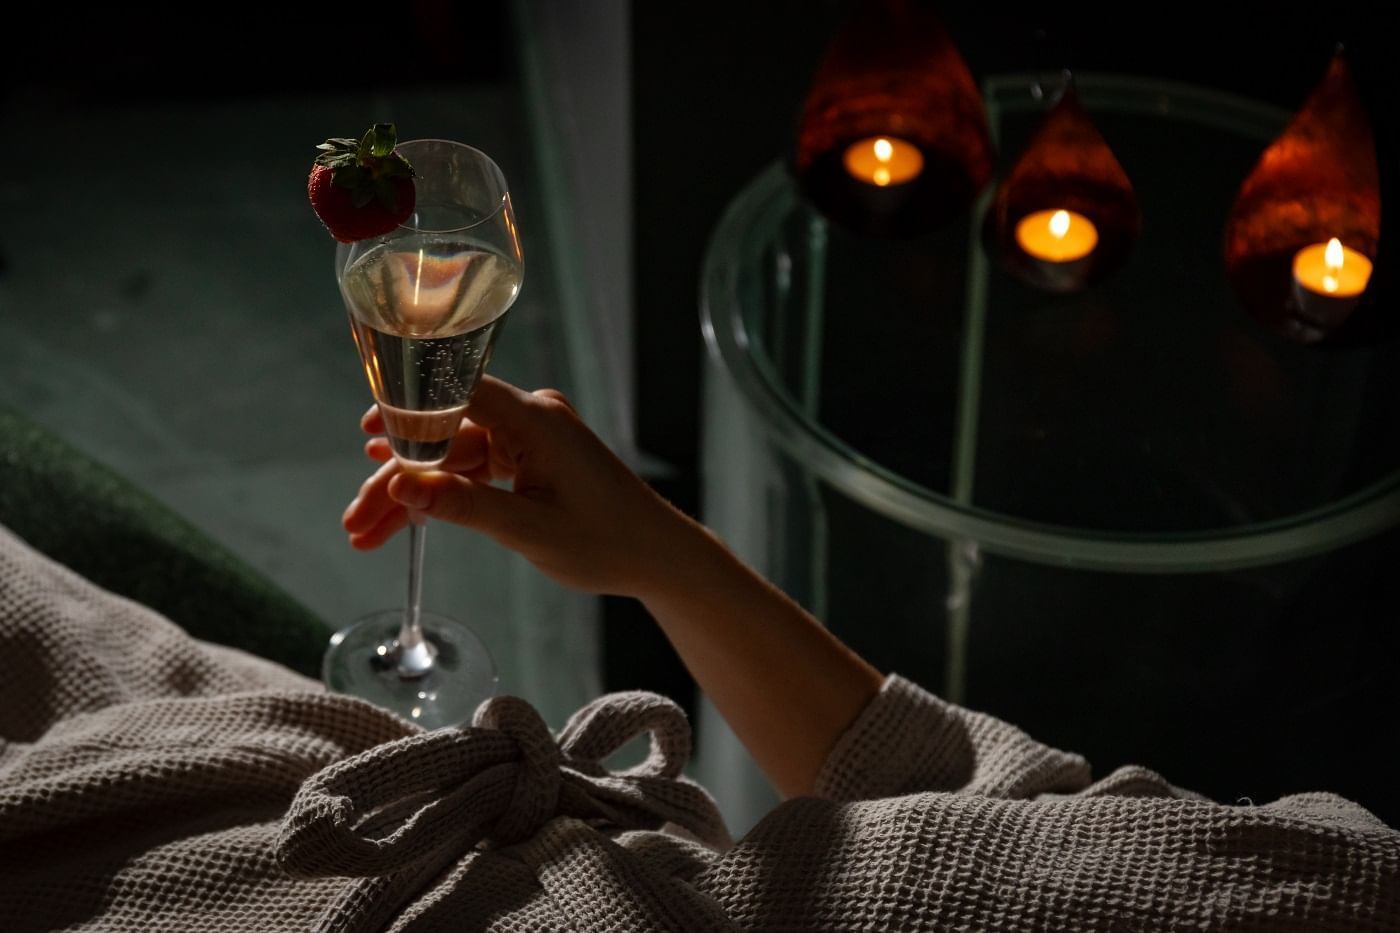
437 795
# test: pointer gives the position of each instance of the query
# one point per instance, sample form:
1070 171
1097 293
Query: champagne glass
426 302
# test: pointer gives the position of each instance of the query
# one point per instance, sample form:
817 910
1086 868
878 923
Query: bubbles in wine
425 322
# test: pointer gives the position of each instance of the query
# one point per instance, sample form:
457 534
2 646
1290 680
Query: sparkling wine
425 321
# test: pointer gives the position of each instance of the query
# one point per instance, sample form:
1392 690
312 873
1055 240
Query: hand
575 510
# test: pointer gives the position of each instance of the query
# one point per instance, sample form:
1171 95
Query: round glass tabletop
1145 425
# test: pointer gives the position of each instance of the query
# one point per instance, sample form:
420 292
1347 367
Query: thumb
510 518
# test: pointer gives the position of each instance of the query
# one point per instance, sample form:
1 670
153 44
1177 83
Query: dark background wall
108 51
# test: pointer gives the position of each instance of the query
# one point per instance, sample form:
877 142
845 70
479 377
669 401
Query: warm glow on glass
1332 269
884 161
1057 235
418 279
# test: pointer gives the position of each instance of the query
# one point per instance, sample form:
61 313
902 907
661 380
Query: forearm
786 685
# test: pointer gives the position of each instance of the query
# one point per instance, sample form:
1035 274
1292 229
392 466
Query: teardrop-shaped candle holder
893 136
1318 182
1065 216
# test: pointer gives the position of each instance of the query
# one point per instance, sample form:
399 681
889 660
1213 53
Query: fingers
460 491
469 453
373 503
496 404
391 524
556 396
512 519
378 449
491 396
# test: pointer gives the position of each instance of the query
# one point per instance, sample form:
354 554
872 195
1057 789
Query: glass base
361 662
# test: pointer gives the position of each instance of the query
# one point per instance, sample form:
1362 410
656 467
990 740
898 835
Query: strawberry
361 188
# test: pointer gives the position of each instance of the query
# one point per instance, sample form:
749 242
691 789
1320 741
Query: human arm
786 685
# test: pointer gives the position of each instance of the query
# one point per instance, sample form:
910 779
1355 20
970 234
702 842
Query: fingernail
410 492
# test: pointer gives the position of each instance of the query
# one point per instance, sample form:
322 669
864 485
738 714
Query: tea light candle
1332 269
883 161
1057 235
1328 279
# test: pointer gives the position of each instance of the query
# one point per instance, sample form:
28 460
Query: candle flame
881 176
884 149
1059 224
1334 257
1332 260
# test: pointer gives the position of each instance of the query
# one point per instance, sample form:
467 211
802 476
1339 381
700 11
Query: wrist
678 559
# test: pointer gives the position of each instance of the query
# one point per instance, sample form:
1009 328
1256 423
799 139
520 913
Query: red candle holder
1317 182
1066 216
893 136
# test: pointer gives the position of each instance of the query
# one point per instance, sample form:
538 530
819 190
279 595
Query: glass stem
415 655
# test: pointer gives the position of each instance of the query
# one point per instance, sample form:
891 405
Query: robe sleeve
908 741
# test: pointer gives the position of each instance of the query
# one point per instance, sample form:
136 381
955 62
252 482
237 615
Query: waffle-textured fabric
151 782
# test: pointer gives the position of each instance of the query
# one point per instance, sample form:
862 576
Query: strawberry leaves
378 142
367 166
